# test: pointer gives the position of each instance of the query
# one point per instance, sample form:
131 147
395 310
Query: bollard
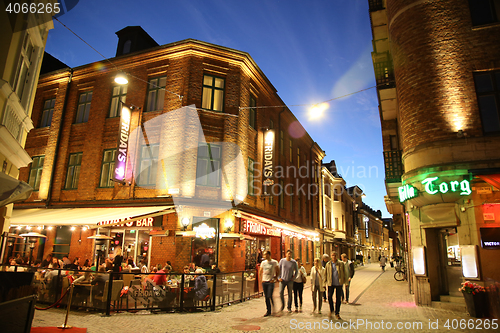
65 325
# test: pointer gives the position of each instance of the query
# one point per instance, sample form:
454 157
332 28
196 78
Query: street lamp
185 222
121 78
32 238
99 243
228 225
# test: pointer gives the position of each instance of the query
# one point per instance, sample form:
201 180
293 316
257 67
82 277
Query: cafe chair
115 292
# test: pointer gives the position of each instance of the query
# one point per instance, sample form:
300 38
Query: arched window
126 46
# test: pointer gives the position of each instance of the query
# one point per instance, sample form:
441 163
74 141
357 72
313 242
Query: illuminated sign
367 221
433 186
123 143
490 238
251 227
268 169
204 231
145 222
407 192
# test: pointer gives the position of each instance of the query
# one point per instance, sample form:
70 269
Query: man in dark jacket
349 272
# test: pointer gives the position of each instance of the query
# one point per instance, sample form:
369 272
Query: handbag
304 278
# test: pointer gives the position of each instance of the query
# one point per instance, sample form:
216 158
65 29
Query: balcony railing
384 74
393 166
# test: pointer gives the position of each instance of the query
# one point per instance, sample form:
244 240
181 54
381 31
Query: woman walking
298 285
317 286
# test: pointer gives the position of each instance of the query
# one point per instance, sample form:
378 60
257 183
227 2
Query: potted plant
475 299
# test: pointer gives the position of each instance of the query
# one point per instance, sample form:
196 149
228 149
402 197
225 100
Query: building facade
437 67
173 165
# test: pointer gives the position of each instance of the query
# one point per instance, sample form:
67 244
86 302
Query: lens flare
317 110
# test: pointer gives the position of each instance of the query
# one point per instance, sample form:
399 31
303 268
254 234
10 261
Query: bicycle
400 274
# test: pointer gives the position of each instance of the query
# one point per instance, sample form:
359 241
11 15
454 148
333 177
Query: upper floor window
73 174
36 172
252 111
156 93
298 157
282 194
107 168
282 139
148 165
48 110
119 94
291 150
213 93
484 11
488 97
25 70
82 113
208 165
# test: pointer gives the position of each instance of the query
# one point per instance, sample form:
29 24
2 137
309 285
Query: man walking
334 279
383 262
349 273
288 272
269 272
326 259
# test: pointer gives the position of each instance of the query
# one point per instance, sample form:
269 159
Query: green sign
433 186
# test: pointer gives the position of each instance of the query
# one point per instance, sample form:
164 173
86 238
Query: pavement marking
368 287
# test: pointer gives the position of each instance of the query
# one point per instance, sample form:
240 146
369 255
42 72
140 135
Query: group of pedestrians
331 276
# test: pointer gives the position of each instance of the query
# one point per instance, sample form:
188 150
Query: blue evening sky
311 51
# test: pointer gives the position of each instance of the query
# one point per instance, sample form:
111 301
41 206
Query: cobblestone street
380 304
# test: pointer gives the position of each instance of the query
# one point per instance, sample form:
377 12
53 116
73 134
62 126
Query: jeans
338 291
316 296
298 288
268 288
347 285
289 286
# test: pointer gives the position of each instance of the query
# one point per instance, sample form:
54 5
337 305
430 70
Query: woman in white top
317 284
298 285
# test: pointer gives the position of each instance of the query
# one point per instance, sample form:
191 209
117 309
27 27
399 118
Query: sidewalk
381 303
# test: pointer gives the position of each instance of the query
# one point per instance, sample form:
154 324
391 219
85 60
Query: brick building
437 67
200 123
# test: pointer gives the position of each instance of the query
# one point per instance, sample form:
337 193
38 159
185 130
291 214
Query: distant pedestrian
269 272
326 259
369 259
383 262
288 273
349 273
334 279
298 285
317 284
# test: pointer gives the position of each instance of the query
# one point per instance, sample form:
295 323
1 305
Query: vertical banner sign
268 169
123 143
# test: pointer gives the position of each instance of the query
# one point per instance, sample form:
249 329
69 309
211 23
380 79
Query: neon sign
123 143
268 171
432 186
204 231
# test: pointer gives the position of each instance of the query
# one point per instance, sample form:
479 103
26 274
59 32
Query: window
148 165
299 203
488 97
328 222
271 124
307 251
335 194
292 246
291 198
252 111
298 157
271 199
484 11
107 168
126 46
394 142
291 151
328 190
156 93
74 165
82 113
208 165
282 144
343 222
36 172
282 194
250 176
213 93
119 94
27 58
300 249
48 110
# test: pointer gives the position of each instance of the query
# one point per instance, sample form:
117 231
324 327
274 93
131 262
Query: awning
493 180
230 235
12 190
85 216
288 229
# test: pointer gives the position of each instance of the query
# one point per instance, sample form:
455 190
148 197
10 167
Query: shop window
307 251
73 174
48 110
156 93
208 166
488 97
484 11
299 255
107 168
213 93
148 165
252 112
204 250
119 94
292 247
83 110
36 172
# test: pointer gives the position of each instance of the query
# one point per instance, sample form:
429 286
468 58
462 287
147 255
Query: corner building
437 66
192 183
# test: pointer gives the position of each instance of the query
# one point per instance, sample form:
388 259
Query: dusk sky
311 51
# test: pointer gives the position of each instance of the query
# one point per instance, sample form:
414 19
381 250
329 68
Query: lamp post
32 238
100 240
185 222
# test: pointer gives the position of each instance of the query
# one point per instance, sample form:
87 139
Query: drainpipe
61 123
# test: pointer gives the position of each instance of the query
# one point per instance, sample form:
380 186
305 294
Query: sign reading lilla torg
123 144
432 187
268 169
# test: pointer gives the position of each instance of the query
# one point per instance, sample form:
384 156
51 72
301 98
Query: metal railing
135 291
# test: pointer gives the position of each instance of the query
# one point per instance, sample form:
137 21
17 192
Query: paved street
381 304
